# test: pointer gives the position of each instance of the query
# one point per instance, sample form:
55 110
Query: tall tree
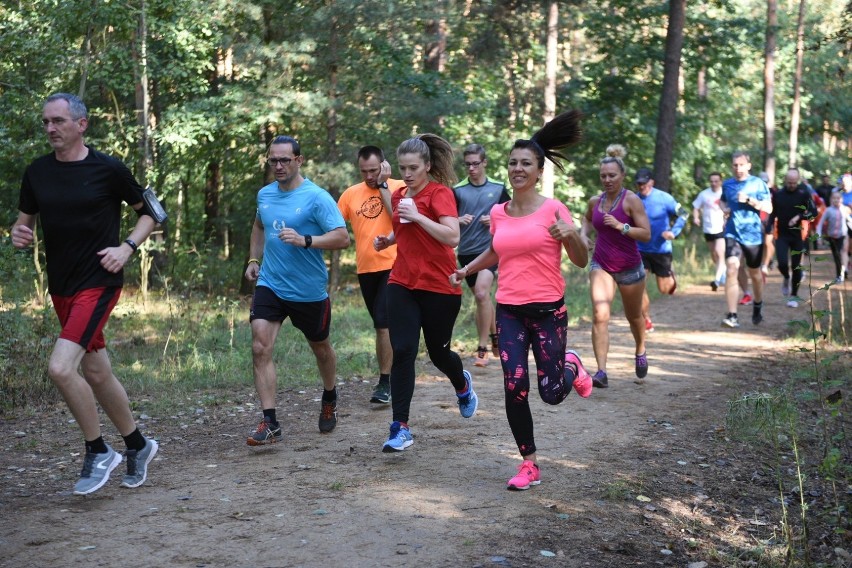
667 118
551 59
143 106
769 89
797 87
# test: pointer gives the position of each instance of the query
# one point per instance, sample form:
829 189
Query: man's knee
261 347
482 296
59 371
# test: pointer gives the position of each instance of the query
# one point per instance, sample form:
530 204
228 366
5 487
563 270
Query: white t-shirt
712 216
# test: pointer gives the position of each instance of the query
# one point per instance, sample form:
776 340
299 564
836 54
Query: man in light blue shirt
744 196
661 207
296 220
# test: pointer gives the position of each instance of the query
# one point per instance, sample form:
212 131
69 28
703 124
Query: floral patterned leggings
547 335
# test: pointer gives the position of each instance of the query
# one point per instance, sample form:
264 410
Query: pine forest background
189 93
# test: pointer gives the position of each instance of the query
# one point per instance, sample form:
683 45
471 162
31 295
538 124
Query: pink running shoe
582 379
527 475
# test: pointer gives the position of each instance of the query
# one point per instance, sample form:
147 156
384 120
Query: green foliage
224 76
778 419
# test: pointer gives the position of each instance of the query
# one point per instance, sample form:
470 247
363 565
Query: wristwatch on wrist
309 240
383 185
625 229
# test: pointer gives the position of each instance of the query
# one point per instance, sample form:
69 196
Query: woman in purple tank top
618 217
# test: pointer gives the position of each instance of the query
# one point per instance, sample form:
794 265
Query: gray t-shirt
477 200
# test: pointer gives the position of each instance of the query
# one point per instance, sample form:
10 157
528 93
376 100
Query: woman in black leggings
426 230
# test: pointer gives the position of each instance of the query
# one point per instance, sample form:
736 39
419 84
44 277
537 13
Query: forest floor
643 473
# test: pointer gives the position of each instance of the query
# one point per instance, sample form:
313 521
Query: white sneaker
792 303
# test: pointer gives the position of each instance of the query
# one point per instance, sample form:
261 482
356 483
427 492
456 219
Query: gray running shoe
381 393
266 433
731 321
328 416
137 463
96 470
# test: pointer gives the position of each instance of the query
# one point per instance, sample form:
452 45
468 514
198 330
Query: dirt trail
336 500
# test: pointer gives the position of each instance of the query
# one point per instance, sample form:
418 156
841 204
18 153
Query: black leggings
547 336
409 311
836 245
790 247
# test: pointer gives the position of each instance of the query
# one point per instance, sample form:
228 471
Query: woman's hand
457 277
561 229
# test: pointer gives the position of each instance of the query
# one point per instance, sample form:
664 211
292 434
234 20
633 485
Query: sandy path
336 500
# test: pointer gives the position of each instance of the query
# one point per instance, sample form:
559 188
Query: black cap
643 175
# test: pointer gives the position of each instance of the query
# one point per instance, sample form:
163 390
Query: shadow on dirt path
639 474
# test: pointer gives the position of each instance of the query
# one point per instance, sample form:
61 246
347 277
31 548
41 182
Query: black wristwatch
309 240
383 185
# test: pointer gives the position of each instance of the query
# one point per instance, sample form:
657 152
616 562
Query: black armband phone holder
152 206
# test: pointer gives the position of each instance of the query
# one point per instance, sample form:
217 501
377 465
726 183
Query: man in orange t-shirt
361 205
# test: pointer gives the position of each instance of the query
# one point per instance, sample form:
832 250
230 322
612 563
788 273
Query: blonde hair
436 152
615 153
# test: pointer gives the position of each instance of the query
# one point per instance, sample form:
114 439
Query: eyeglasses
276 161
472 164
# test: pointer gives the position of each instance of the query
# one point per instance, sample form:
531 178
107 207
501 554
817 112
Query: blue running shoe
137 464
468 402
399 438
96 470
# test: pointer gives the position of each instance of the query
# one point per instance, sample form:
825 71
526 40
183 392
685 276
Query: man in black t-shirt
77 192
790 206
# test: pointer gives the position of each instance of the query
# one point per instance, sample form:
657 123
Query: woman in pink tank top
618 217
530 233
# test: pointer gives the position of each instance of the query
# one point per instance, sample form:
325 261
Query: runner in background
619 219
708 214
475 196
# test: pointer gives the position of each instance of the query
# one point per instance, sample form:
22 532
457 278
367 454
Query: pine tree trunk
547 180
667 118
769 90
795 114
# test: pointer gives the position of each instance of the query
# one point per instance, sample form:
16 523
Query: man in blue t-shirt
296 220
661 207
744 196
475 196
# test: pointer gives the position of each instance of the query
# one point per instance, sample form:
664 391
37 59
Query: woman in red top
425 230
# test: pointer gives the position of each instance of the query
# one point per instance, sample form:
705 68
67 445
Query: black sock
758 306
384 378
135 440
269 414
732 315
96 446
329 396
